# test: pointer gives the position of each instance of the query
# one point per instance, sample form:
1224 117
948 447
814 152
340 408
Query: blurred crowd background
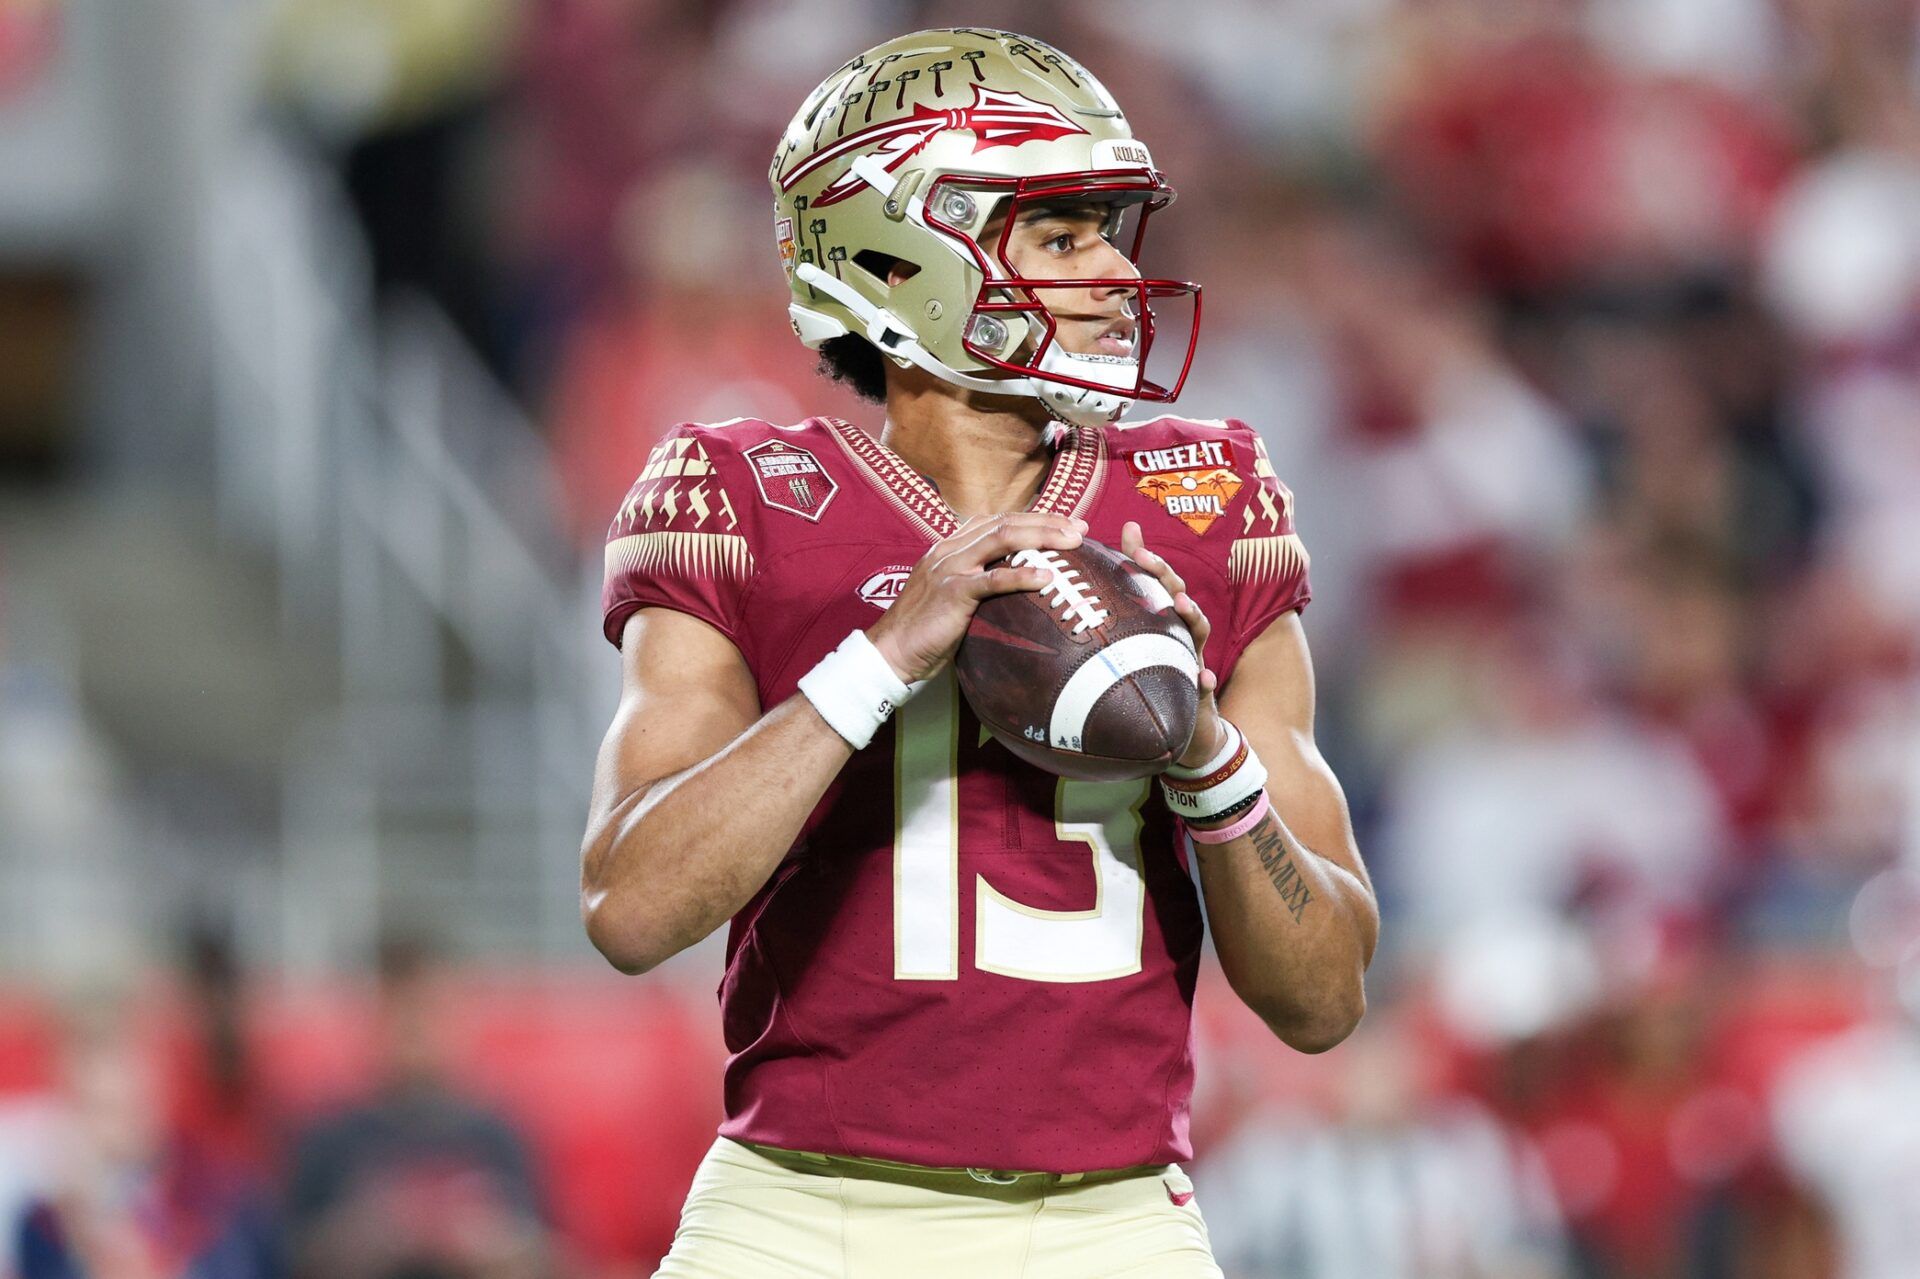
1587 333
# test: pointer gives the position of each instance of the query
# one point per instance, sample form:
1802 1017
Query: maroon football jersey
963 961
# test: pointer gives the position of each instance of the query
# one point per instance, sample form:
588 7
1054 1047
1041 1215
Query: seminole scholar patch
791 479
1193 482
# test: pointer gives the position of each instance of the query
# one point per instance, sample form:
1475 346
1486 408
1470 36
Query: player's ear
884 266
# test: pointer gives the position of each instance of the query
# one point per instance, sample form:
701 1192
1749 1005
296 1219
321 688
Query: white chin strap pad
1080 405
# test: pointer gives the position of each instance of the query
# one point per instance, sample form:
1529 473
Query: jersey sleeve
1266 561
678 540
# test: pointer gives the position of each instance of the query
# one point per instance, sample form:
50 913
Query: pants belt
890 1170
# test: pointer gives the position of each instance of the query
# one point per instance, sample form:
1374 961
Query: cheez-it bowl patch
1191 482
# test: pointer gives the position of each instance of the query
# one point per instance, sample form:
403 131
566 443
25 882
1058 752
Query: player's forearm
679 856
1294 931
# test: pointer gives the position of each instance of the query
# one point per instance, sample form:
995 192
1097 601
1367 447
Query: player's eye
1061 242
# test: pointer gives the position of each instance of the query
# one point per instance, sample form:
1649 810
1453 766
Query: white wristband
1227 782
1229 744
855 689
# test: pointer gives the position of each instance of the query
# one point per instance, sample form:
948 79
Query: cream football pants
781 1215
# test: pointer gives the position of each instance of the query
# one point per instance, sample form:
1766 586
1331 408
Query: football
1093 676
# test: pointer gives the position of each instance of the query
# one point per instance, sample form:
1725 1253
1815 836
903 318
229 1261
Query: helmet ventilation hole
884 267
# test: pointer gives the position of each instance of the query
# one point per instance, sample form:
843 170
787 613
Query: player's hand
1208 736
924 625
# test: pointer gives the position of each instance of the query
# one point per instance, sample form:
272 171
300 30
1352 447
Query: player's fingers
1152 562
970 533
964 536
1196 620
970 530
1131 540
1168 576
1016 533
954 555
1005 580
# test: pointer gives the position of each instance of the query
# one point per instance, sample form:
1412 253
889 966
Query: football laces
1066 591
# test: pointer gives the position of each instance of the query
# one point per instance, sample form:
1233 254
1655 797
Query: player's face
1068 242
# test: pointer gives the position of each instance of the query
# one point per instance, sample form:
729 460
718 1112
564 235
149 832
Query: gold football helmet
913 163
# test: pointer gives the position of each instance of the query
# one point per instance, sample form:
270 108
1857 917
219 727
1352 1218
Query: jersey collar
1072 482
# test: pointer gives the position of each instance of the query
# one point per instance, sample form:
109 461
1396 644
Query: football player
958 989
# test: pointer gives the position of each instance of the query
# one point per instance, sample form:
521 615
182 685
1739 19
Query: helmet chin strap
1075 405
1083 406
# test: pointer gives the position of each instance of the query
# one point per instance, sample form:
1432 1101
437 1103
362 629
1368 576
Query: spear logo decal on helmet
995 119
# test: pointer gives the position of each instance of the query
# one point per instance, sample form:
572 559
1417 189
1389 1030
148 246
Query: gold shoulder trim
698 554
1278 558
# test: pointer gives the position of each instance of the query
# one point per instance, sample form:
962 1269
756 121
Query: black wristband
1225 816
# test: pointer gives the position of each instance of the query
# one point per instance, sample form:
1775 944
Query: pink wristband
1261 807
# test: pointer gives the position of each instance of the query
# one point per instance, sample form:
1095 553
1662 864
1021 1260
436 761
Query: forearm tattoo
1279 863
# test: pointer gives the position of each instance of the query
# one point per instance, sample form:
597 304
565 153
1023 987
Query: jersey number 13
1010 937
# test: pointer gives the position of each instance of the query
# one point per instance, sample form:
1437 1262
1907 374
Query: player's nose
1111 264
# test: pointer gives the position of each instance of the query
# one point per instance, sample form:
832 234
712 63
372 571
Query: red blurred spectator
129 1200
1643 1139
1540 165
214 1098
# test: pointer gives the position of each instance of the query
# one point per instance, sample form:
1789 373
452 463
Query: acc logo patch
791 479
1192 482
883 588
